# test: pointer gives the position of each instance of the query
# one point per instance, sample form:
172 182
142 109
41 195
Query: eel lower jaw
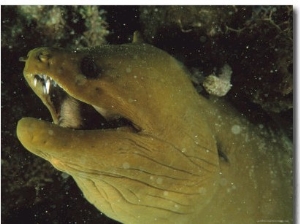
68 112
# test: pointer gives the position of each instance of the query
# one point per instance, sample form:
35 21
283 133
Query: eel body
144 147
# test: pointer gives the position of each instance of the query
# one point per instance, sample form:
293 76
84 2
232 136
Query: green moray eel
145 147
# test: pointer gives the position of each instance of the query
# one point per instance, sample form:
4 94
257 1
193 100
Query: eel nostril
23 58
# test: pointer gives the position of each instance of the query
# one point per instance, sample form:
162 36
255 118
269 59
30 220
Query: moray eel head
128 126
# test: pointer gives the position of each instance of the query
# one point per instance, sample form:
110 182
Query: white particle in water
64 175
236 129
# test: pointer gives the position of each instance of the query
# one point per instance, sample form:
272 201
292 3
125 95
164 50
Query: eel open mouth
69 112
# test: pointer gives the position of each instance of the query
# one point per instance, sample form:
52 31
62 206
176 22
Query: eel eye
89 68
44 56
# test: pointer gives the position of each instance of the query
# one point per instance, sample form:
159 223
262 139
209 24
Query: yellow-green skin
170 171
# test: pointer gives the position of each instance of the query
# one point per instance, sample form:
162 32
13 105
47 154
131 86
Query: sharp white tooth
44 90
34 81
47 86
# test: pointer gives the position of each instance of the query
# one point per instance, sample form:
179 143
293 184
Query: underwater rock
72 26
257 41
219 85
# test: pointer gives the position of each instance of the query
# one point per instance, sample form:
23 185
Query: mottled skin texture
166 169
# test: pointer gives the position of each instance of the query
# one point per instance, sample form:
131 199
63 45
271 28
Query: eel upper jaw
66 111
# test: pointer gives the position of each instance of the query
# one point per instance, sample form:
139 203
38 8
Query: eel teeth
47 86
46 82
44 90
